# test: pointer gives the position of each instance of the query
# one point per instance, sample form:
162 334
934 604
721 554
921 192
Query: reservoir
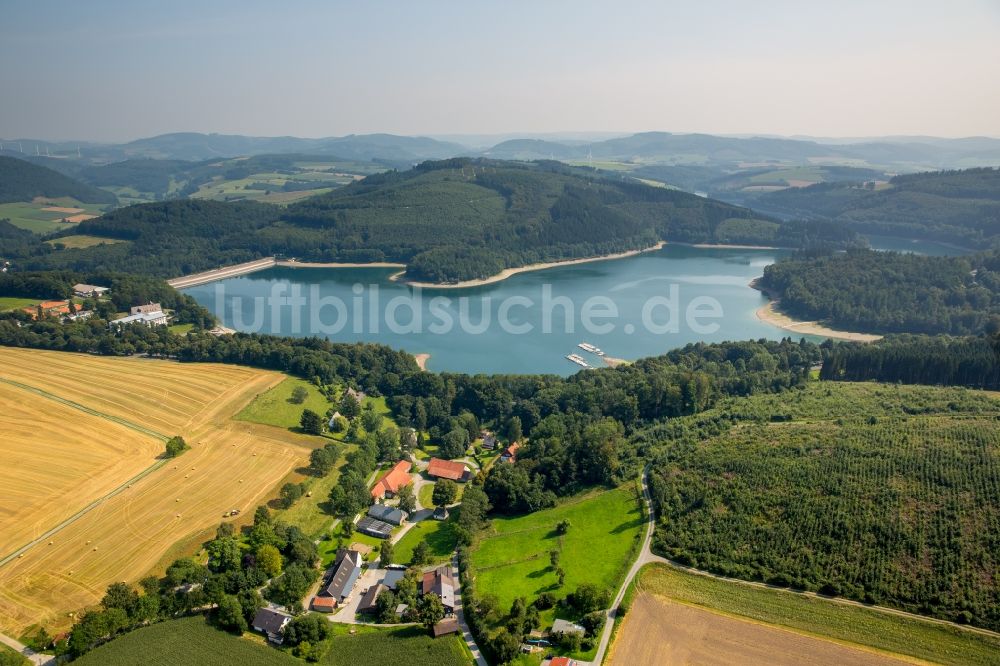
630 308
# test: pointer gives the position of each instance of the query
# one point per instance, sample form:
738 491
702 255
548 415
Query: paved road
644 557
460 614
34 657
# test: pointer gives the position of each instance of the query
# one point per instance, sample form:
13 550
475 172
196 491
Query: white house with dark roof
271 622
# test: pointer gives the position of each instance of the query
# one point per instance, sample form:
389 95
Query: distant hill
23 181
197 147
706 149
447 220
952 206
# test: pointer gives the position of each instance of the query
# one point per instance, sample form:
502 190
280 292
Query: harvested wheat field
660 632
127 535
57 460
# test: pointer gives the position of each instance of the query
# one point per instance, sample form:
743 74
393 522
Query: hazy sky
113 70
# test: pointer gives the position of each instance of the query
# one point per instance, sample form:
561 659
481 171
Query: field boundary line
79 514
100 500
83 408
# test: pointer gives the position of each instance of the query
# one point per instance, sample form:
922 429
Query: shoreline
769 314
422 360
510 272
337 264
730 246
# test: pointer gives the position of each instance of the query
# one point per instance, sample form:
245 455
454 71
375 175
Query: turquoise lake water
638 306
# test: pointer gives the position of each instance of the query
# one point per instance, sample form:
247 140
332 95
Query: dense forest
918 359
451 220
23 181
880 493
885 292
960 207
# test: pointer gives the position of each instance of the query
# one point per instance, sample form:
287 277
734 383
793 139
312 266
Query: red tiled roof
324 603
446 469
511 451
393 480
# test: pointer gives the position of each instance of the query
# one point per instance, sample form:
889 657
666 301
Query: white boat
576 358
586 346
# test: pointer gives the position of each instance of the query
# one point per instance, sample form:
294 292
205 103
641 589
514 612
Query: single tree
311 422
430 610
407 500
385 554
513 431
299 395
349 406
175 446
229 615
445 492
421 554
268 560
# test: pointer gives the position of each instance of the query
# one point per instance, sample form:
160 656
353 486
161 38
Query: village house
392 481
560 661
509 454
89 291
271 622
387 514
490 441
447 469
440 582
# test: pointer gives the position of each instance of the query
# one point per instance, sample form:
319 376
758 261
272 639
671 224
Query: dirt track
659 632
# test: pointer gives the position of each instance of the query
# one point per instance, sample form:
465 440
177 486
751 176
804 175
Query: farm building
509 454
447 469
393 480
331 424
367 604
322 604
89 290
374 527
440 582
387 514
566 627
392 578
449 625
271 622
489 440
346 570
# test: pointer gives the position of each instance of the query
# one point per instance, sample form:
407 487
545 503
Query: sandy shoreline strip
422 360
769 314
728 246
509 272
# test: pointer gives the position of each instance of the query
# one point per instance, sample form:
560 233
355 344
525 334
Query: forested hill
960 207
23 181
449 220
887 292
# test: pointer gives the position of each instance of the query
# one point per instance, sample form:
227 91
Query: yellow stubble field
231 465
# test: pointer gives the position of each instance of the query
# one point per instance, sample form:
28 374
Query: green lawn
425 494
512 559
180 329
930 641
188 641
10 657
439 535
12 303
275 408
